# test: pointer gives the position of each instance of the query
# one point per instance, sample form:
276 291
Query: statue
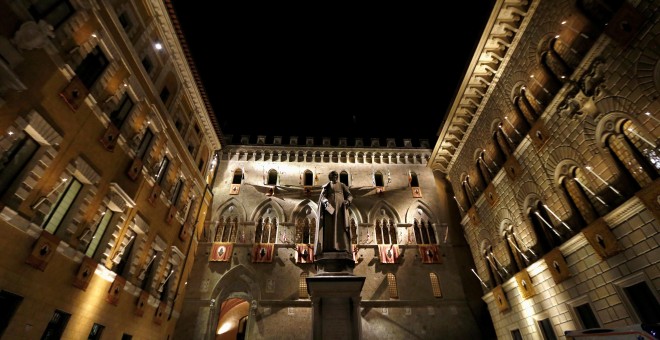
333 229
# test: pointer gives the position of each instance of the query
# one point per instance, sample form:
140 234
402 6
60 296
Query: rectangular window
99 232
515 334
177 192
162 170
165 94
9 303
546 329
62 206
144 144
644 302
54 12
146 62
14 161
56 326
118 116
91 68
125 21
586 315
95 332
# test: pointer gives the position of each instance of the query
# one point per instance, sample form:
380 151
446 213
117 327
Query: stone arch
484 241
239 209
612 123
304 209
383 208
505 225
412 211
239 282
262 209
527 190
504 215
557 160
648 67
354 213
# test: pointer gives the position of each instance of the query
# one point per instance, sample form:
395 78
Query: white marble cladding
329 155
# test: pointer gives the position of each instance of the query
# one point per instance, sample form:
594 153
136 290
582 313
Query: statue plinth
334 264
335 295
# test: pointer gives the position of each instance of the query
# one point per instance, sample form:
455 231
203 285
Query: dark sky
322 70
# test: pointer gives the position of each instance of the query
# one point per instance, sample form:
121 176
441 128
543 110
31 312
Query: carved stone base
334 264
335 306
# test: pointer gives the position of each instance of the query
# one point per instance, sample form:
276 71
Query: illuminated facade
249 277
551 148
106 146
122 215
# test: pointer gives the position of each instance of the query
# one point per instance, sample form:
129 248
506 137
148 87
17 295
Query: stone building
125 213
551 148
405 229
106 145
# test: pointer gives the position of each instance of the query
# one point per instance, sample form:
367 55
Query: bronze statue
333 229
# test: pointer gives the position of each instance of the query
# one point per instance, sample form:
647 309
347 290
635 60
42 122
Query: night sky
322 70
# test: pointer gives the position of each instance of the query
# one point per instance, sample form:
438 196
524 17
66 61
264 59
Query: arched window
418 232
513 249
468 192
305 230
343 177
308 178
484 170
578 193
272 177
636 152
494 275
380 234
229 230
378 179
548 235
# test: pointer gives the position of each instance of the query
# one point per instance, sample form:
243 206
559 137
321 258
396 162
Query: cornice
173 38
501 36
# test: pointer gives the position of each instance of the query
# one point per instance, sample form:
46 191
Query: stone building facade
407 239
535 212
106 143
551 147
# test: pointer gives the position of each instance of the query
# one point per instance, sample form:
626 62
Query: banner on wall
221 252
263 252
430 254
388 253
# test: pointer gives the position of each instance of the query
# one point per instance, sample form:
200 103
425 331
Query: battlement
341 142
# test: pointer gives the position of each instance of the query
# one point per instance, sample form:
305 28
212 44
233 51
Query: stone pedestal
335 295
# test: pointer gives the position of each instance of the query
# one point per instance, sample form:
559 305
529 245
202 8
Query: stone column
335 295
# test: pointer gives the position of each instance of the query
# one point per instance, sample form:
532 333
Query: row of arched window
307 178
589 191
384 232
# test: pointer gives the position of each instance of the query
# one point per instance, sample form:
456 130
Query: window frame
629 281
